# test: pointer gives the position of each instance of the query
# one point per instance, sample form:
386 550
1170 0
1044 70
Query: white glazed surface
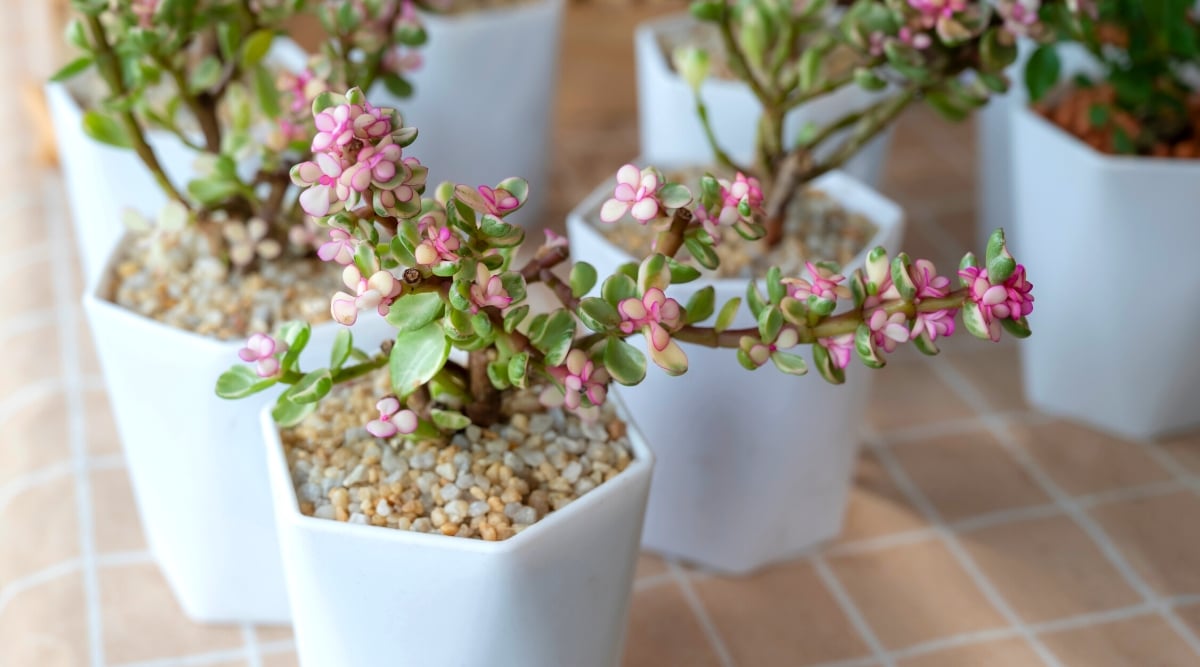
492 118
753 468
671 132
557 594
195 460
101 177
1102 233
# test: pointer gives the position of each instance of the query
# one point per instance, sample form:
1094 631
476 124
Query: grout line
277 646
652 581
22 258
1000 430
957 641
852 662
31 480
124 559
44 576
950 540
64 297
193 660
26 322
697 606
250 636
852 612
29 393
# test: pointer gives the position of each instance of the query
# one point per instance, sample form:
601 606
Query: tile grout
250 637
69 351
697 606
1000 430
864 629
950 540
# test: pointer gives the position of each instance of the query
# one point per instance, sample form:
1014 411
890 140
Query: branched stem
670 241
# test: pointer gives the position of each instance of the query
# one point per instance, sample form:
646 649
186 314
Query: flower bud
692 64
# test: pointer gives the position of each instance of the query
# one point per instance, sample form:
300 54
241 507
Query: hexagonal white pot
195 460
1111 245
672 134
753 468
557 594
102 177
484 94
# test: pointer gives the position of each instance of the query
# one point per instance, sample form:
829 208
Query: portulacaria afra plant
440 269
200 70
950 54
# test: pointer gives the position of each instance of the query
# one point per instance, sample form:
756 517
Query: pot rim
848 191
287 508
1106 161
489 14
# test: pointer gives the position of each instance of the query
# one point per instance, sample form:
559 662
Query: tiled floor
979 533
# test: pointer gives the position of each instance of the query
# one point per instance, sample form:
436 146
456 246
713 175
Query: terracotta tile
29 355
663 631
1137 642
1002 653
34 296
1186 449
142 620
102 436
649 565
1191 616
914 593
1048 569
287 659
274 633
995 371
34 435
1083 461
877 506
38 528
1158 537
784 616
46 626
908 394
116 518
968 474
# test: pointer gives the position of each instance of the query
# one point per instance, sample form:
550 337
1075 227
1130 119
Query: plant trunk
484 409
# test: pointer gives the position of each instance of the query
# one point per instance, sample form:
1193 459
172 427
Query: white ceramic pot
1110 243
671 132
105 178
994 153
195 460
753 467
484 97
556 594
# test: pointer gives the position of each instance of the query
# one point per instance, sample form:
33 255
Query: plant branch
670 241
106 60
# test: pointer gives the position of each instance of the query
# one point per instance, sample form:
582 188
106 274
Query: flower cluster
441 271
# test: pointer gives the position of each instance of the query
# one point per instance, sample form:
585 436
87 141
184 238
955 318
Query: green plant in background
1142 95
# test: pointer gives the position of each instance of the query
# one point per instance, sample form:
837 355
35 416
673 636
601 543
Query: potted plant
672 133
474 462
229 254
467 74
175 88
790 207
1104 165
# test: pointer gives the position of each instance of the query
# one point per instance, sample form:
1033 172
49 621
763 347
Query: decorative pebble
486 484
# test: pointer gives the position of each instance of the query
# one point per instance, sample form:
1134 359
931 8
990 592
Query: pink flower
375 165
826 285
635 193
929 286
741 189
261 348
1012 299
760 351
399 197
378 292
937 323
888 331
340 247
499 202
440 245
656 316
488 290
392 420
554 240
936 9
840 348
917 40
324 193
1019 15
579 377
338 126
144 11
